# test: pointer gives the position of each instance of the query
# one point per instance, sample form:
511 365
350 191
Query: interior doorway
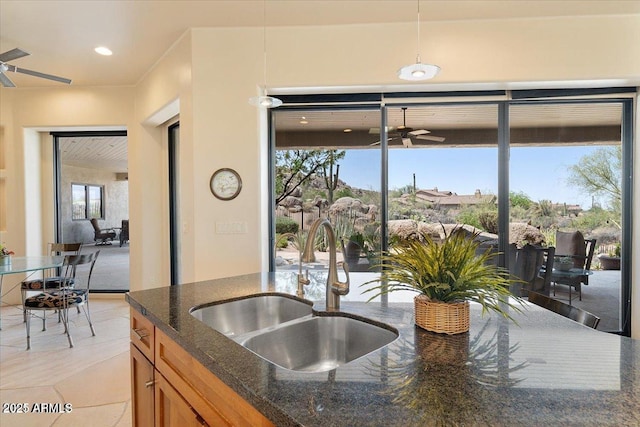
91 173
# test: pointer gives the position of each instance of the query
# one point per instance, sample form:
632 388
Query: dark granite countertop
546 370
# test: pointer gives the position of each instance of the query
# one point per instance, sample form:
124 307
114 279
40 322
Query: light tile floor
94 376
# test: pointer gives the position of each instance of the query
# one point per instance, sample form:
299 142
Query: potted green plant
611 261
446 274
5 255
563 263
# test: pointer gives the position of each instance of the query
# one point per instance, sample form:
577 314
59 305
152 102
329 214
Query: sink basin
320 343
251 314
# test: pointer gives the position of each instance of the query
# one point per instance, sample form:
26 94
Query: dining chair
66 296
54 281
574 313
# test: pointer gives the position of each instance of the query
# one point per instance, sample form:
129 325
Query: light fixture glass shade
418 71
265 101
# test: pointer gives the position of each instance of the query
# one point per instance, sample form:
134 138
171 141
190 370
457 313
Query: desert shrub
343 192
281 241
469 217
489 221
592 219
286 225
520 199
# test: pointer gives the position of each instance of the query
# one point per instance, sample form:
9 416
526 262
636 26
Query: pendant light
418 71
265 101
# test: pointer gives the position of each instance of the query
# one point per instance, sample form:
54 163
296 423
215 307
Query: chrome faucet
335 288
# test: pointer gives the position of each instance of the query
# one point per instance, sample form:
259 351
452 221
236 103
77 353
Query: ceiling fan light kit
418 71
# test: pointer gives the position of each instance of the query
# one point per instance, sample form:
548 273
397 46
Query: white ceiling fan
16 54
407 136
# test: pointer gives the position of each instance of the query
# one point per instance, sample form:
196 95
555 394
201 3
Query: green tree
600 174
520 199
294 167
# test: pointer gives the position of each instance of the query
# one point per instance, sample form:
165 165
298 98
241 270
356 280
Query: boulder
522 233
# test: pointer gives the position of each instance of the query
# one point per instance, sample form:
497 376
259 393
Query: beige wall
27 117
212 73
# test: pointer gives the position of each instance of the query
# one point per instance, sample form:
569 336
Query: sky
539 172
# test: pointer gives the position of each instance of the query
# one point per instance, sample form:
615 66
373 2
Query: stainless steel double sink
287 332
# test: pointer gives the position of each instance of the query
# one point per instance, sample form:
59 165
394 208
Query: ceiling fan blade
431 138
12 54
419 132
39 74
390 141
6 82
407 142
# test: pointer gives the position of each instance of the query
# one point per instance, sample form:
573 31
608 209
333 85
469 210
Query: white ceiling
61 35
460 116
96 152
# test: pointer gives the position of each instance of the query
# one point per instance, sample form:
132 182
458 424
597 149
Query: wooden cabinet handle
141 333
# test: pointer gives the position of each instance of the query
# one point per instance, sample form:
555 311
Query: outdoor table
27 264
567 277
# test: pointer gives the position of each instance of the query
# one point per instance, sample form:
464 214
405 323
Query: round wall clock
225 184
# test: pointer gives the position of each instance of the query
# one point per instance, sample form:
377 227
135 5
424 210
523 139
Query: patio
111 272
601 297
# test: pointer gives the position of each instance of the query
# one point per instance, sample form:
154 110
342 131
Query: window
87 201
514 170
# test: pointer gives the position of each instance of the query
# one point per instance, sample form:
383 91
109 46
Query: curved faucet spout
335 288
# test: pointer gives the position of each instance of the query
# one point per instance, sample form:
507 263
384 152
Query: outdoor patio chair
65 297
532 265
575 246
574 313
102 237
124 232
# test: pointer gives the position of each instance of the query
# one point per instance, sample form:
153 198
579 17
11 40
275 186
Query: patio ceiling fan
17 53
407 136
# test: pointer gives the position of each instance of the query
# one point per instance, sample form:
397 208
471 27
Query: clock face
225 184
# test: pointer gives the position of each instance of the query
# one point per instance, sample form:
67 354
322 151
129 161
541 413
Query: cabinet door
171 408
142 385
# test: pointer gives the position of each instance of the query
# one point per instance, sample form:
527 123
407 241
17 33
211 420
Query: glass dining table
27 264
570 278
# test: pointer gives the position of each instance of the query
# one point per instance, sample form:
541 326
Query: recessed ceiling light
103 51
347 130
303 120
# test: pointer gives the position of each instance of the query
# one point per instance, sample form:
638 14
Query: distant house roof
452 200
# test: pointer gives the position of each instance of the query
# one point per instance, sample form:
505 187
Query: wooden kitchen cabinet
183 391
142 333
171 408
142 388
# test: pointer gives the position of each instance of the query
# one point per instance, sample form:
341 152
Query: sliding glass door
566 181
518 173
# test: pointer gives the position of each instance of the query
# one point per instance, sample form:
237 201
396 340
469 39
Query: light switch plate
234 227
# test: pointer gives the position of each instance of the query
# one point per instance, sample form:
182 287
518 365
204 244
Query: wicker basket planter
441 317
